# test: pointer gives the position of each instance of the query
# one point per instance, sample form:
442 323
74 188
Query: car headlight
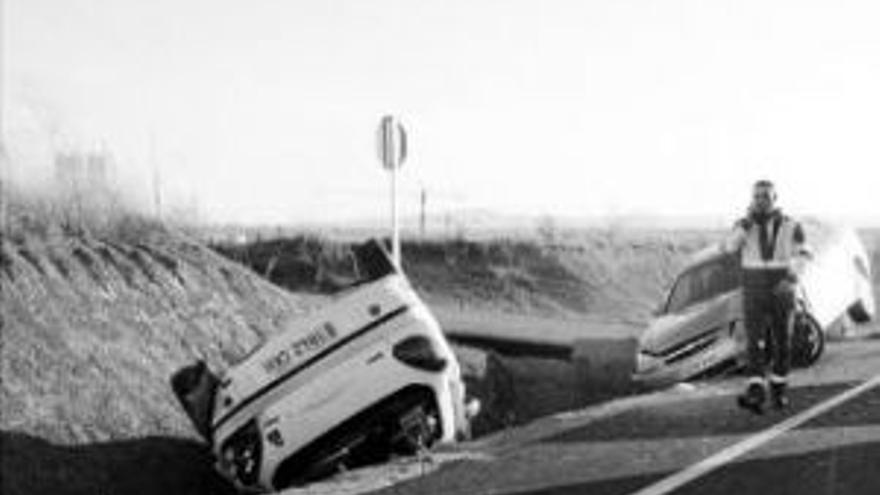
242 453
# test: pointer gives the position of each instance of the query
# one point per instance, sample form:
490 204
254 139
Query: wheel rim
812 339
809 338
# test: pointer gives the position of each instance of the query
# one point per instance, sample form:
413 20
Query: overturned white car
699 328
368 376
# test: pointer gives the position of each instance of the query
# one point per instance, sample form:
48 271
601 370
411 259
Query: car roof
708 253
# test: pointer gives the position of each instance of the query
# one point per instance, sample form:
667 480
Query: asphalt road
638 443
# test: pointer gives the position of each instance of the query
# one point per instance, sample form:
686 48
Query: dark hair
764 183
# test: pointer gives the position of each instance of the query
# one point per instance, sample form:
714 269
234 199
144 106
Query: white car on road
699 328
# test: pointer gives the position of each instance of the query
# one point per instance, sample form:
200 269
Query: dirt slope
586 272
93 324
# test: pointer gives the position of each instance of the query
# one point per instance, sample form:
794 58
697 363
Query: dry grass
95 318
606 273
589 272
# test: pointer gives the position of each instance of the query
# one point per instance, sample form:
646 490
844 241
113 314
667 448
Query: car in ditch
699 328
368 376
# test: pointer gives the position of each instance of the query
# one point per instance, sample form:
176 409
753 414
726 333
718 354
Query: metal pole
395 227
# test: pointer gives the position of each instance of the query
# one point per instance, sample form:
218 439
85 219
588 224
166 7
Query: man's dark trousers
768 297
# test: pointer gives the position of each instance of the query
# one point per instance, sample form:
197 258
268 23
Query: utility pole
395 217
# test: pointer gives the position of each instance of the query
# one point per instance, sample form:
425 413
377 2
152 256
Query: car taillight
418 351
242 454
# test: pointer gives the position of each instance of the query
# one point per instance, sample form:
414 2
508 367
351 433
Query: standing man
771 247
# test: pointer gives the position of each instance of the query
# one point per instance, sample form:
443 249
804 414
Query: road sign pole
395 225
391 141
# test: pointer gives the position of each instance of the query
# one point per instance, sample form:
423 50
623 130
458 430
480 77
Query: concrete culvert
605 366
515 390
488 380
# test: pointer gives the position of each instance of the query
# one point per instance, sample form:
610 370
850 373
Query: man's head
763 198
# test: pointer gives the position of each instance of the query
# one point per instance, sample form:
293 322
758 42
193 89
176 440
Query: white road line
736 450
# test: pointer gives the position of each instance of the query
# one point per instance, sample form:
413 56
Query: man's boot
778 388
754 396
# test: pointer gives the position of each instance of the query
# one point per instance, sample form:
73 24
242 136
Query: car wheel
858 313
415 431
807 340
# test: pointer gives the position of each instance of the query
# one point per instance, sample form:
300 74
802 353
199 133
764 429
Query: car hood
671 330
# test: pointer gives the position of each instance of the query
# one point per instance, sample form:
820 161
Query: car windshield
703 282
372 262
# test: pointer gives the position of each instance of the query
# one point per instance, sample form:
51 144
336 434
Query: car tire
807 340
859 313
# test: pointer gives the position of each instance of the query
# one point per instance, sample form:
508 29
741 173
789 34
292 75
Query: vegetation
96 315
591 272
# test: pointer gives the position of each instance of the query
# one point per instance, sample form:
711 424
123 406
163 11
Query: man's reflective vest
775 243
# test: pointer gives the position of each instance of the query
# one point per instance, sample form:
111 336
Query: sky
266 111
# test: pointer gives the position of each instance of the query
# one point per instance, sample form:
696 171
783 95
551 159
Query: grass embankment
95 318
593 273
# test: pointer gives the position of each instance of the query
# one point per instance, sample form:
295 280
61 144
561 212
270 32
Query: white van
369 375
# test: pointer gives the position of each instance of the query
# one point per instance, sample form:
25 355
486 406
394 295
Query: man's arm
737 237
